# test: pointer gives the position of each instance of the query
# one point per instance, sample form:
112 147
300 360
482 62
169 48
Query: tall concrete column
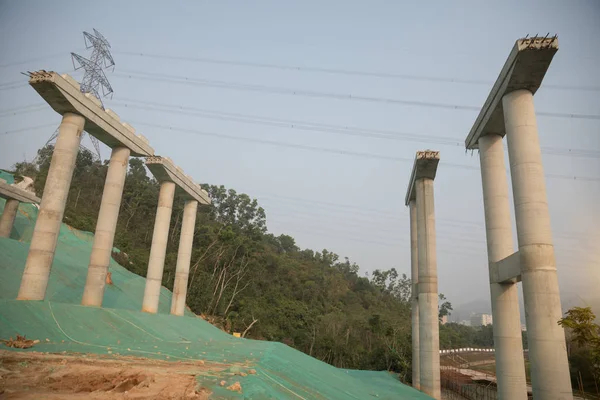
52 208
414 276
547 349
7 219
104 236
158 250
510 364
184 257
429 328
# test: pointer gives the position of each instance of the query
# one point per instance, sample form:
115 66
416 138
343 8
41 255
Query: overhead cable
339 71
317 94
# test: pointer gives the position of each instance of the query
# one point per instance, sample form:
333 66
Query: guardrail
468 350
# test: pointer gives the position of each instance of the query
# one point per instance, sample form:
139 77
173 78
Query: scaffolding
460 382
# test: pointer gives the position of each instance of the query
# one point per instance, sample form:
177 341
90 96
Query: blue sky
348 203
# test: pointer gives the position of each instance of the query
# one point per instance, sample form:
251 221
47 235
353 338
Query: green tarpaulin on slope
120 328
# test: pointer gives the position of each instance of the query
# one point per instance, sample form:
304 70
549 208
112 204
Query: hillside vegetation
244 279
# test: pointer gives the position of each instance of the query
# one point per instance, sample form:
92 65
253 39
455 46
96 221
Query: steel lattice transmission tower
94 80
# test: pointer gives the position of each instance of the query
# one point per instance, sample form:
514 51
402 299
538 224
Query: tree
584 357
444 307
580 320
287 243
392 283
453 335
25 168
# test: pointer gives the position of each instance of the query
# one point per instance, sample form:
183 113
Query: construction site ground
36 375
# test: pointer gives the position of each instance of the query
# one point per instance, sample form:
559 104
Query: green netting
7 177
282 372
69 269
119 328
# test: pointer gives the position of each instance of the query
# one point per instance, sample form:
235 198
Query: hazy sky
350 202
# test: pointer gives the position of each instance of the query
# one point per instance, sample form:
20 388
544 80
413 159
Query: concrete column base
7 220
104 236
52 208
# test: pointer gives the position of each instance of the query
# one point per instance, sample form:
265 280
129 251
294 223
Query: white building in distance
481 319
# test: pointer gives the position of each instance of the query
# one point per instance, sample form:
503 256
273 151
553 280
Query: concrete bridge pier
7 219
510 364
158 250
419 197
414 276
108 216
47 227
184 257
547 348
79 110
171 176
509 111
429 327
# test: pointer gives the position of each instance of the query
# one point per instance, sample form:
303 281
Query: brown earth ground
35 375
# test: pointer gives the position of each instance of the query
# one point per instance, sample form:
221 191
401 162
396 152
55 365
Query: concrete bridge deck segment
12 192
524 68
164 169
425 166
64 95
13 195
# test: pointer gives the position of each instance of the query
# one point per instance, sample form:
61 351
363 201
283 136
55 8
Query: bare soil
35 375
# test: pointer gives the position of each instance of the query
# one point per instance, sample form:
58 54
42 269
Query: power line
315 231
570 152
334 205
402 235
376 213
27 129
400 232
318 127
276 143
356 230
443 246
287 91
307 69
13 85
21 83
291 124
42 58
314 148
23 110
340 71
292 145
287 67
330 150
568 115
309 93
303 125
